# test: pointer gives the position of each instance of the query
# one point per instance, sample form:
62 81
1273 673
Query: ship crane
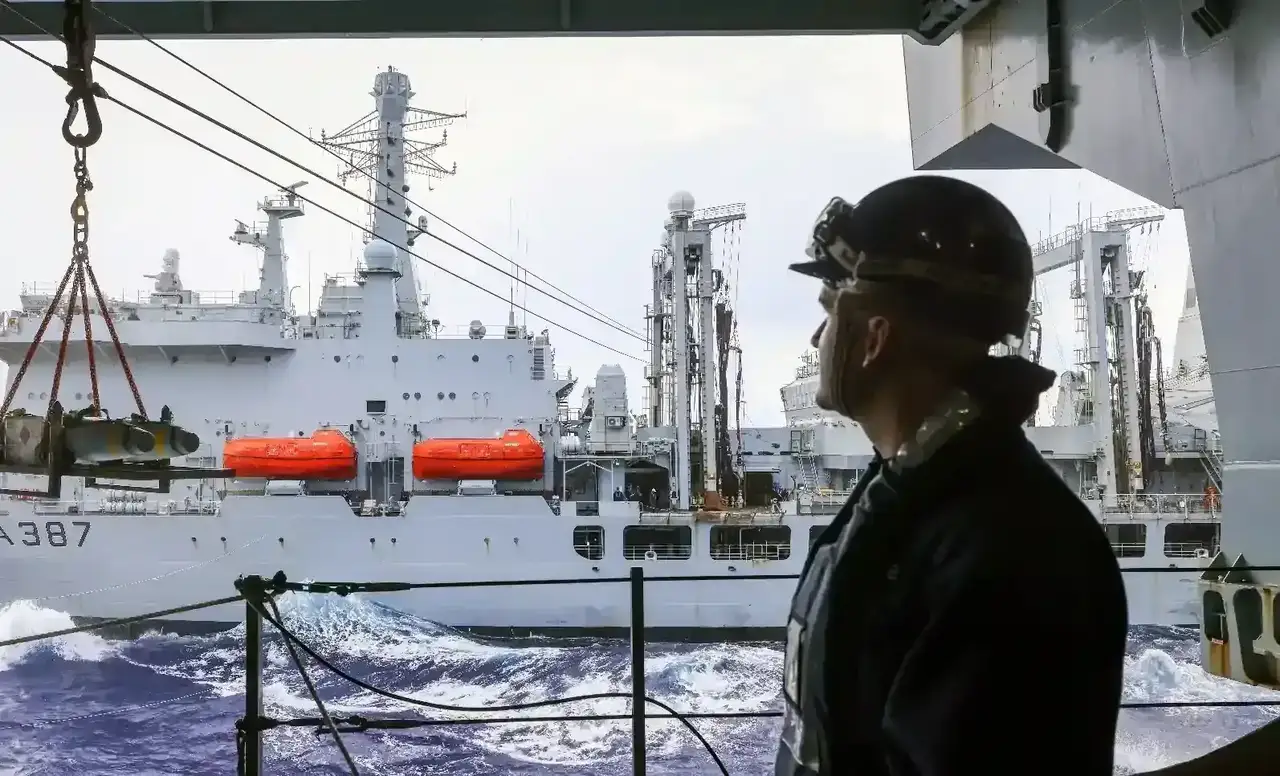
87 443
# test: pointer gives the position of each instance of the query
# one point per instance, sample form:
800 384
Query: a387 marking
53 533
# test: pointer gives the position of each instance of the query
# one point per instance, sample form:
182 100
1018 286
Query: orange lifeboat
516 455
325 455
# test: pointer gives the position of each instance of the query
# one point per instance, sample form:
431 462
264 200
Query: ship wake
164 704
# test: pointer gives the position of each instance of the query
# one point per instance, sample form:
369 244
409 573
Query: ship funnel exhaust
378 316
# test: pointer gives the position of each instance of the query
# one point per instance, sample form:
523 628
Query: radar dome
380 255
680 202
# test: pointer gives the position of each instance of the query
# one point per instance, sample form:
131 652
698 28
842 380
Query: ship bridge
1176 101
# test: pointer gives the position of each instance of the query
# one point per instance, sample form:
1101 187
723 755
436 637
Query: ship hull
100 566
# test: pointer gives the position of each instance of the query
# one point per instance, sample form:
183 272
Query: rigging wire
584 309
119 621
289 636
311 687
310 201
527 272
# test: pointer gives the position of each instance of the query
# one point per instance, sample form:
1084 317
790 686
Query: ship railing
219 298
1190 549
256 590
751 551
463 331
657 551
827 497
1129 549
1166 505
126 506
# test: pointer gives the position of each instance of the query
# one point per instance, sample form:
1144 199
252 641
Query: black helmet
955 250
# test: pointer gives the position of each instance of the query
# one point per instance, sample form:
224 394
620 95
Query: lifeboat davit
516 455
325 455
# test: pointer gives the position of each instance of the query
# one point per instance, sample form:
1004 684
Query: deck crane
87 443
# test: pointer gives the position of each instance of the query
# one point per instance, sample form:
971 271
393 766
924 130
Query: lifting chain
83 94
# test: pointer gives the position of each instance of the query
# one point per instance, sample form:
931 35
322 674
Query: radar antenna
378 147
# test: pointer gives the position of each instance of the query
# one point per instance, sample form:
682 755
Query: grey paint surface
480 18
1185 120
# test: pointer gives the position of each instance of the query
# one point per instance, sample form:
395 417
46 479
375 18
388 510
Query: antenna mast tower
377 148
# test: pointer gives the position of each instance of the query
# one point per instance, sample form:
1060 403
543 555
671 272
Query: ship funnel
378 316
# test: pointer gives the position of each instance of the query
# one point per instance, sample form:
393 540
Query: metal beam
477 18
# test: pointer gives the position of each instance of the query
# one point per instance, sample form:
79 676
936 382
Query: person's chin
823 401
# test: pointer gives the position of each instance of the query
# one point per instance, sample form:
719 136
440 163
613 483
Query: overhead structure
929 21
684 348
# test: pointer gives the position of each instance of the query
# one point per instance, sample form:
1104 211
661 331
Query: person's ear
876 338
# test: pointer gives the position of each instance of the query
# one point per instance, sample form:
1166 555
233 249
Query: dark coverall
960 617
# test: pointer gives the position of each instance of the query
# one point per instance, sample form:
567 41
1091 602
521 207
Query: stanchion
638 706
253 710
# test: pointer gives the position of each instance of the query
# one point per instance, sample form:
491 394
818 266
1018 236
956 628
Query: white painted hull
127 565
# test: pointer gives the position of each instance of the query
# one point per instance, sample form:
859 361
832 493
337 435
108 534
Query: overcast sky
583 140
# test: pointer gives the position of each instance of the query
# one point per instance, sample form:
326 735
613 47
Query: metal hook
79 40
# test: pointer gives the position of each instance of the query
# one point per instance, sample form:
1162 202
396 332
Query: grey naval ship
442 454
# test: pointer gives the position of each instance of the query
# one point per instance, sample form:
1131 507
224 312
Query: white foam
24 618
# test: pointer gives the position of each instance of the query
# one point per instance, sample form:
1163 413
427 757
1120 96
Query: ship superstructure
1134 436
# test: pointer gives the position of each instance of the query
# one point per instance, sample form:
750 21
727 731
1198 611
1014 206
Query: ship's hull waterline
97 566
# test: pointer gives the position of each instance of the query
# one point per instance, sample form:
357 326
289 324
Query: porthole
337 359
474 358
440 395
417 395
452 395
405 396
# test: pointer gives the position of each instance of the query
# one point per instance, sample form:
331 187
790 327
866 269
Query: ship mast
377 148
273 279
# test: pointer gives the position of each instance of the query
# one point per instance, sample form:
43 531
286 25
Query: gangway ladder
1210 456
802 452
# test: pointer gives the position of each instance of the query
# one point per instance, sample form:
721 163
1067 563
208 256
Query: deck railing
258 593
1168 505
258 596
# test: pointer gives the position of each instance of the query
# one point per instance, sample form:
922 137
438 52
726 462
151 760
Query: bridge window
657 542
1128 540
1190 540
588 541
750 542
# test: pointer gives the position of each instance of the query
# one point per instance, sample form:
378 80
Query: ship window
1189 540
750 542
814 533
375 406
588 541
1128 540
657 542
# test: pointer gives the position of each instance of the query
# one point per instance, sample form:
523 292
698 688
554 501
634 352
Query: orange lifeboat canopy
516 455
325 455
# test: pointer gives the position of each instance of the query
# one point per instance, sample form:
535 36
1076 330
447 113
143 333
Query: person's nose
817 335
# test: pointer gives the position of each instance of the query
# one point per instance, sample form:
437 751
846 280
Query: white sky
582 139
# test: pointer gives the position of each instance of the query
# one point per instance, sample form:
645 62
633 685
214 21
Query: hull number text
54 533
